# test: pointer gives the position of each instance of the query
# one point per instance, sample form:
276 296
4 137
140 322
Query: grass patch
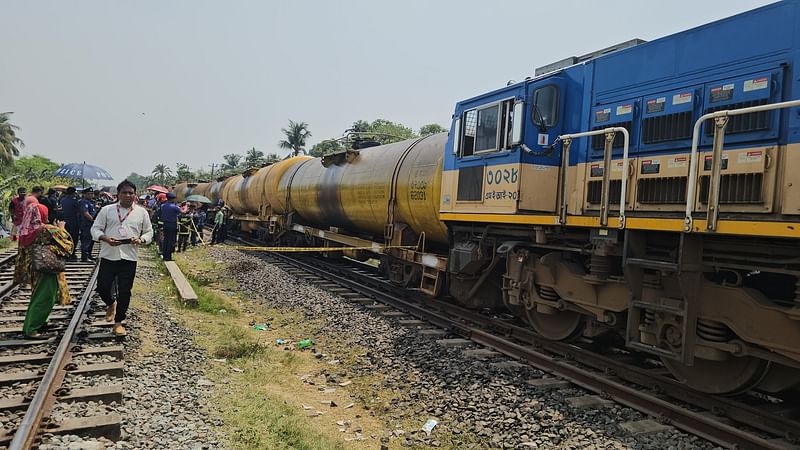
5 243
236 342
262 390
210 301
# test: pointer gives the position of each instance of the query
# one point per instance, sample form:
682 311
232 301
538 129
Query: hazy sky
127 85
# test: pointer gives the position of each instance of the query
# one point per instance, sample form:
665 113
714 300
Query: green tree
28 171
231 164
34 166
382 130
296 135
183 173
162 172
141 181
254 158
272 158
323 148
431 128
202 175
10 144
361 126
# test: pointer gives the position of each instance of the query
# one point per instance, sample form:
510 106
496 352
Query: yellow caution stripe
734 227
374 248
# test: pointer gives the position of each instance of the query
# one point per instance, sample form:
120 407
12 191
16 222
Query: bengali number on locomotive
501 195
502 176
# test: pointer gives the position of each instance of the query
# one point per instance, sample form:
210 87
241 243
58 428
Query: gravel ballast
163 407
468 397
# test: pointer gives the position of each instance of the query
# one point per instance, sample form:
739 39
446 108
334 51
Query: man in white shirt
120 227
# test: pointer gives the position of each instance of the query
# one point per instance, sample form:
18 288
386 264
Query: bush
237 343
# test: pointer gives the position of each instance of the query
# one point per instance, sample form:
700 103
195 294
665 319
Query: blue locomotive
601 202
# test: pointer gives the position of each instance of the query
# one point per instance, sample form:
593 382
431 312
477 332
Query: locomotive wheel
558 326
732 376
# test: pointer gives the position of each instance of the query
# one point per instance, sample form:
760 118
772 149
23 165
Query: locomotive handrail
607 149
714 183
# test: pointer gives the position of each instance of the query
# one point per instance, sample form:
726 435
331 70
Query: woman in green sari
46 287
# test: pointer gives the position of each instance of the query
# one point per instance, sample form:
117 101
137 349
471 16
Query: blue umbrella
83 171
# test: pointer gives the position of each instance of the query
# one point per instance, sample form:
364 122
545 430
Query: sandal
36 336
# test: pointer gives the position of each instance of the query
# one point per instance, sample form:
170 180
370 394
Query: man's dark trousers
86 242
170 238
124 271
74 231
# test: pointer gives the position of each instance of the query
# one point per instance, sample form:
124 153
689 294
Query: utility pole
213 165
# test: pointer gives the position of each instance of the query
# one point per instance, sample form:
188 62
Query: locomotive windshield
545 107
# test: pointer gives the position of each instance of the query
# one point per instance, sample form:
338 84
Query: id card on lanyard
123 230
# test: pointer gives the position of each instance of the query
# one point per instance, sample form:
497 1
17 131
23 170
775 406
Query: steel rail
26 433
8 258
7 287
648 403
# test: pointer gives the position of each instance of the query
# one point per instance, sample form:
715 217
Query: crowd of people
48 227
180 225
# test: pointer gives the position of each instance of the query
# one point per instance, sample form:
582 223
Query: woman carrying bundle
42 251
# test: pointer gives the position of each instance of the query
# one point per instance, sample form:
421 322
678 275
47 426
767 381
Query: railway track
66 383
607 369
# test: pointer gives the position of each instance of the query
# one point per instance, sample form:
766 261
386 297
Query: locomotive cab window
544 111
487 128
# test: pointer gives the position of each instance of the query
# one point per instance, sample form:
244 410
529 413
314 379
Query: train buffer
185 290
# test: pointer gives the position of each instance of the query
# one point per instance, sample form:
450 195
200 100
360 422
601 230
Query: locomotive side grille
745 123
470 184
594 191
735 188
599 140
671 127
661 190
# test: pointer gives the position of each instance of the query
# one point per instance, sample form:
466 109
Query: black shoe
84 260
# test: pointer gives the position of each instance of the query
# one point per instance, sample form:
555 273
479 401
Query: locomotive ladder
720 123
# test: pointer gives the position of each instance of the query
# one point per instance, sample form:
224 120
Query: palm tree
9 142
254 158
161 171
231 163
296 136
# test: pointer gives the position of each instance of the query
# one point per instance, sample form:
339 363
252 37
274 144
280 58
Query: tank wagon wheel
556 326
732 376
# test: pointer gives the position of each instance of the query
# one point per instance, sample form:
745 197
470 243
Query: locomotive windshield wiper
537 116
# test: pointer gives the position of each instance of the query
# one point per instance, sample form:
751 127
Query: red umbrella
158 188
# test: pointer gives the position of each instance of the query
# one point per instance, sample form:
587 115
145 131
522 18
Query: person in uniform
169 216
185 228
88 211
70 211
